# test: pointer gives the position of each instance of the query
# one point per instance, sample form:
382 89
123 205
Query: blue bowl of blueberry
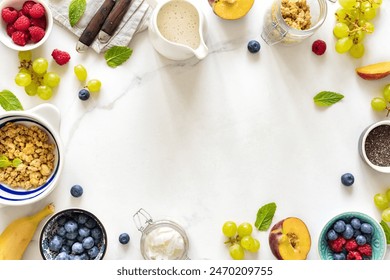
73 234
352 236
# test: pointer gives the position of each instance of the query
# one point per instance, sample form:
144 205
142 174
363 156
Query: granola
31 145
296 13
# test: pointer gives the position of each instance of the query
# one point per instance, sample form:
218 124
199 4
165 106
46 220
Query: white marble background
207 141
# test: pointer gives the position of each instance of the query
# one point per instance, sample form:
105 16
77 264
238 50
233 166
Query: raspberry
318 47
365 250
10 29
40 22
9 14
27 7
37 11
337 245
351 245
36 33
354 255
19 38
60 57
22 23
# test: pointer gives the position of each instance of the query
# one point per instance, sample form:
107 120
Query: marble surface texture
203 142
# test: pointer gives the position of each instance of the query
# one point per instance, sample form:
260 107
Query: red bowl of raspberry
25 25
352 236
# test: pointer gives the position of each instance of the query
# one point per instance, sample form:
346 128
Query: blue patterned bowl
378 241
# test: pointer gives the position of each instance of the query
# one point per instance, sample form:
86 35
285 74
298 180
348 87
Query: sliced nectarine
290 239
231 9
374 71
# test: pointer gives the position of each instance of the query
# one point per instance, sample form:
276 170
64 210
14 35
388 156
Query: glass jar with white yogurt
162 239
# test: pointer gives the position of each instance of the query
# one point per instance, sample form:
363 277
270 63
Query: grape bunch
353 22
93 85
380 103
34 76
240 239
382 202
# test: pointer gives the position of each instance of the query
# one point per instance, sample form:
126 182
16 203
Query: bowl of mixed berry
24 25
352 236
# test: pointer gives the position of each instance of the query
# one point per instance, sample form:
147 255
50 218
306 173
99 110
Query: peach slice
231 9
290 239
374 71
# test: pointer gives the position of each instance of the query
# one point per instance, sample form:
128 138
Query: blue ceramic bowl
378 241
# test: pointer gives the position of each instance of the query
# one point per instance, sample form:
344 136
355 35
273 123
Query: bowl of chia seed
374 146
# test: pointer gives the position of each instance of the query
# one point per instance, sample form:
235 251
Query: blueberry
82 219
124 238
76 191
361 240
69 242
347 179
348 232
61 221
63 256
340 256
61 231
84 232
332 235
93 252
253 46
90 223
355 223
357 232
77 248
96 233
55 243
71 235
88 242
339 226
366 228
84 94
71 226
84 257
66 249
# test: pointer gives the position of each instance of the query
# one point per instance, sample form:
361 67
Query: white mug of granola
289 22
30 154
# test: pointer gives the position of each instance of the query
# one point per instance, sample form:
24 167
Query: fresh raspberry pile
28 25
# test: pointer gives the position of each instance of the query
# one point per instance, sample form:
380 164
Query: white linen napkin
135 20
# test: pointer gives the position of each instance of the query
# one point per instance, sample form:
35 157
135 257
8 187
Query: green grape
94 85
244 229
386 92
388 194
362 22
51 79
358 36
25 55
341 15
357 50
365 5
347 4
340 30
369 13
247 242
229 229
31 89
386 215
344 44
376 3
255 247
80 72
40 65
381 201
44 92
24 70
378 104
369 27
23 79
236 252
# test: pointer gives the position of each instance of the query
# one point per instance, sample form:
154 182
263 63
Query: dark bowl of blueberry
352 236
73 234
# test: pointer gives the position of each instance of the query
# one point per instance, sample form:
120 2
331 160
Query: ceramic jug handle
50 113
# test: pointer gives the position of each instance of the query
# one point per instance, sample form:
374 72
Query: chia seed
377 145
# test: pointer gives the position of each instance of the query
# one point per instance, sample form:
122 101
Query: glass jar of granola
291 21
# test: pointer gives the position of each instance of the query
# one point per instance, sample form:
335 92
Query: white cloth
135 20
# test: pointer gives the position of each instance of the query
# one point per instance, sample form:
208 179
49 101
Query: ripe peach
231 9
374 71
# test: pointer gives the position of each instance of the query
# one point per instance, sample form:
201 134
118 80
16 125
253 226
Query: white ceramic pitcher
169 48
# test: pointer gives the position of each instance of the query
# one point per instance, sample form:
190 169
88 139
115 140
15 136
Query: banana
18 234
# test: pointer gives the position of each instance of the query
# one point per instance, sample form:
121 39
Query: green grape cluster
382 202
380 103
34 76
353 22
240 239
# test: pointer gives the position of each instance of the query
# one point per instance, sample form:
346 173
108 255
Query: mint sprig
76 11
264 216
327 98
9 101
117 55
5 162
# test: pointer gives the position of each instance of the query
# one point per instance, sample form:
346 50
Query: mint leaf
16 162
117 55
386 229
327 98
76 11
264 216
4 161
9 101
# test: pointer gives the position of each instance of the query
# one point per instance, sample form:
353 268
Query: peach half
290 239
231 9
374 71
